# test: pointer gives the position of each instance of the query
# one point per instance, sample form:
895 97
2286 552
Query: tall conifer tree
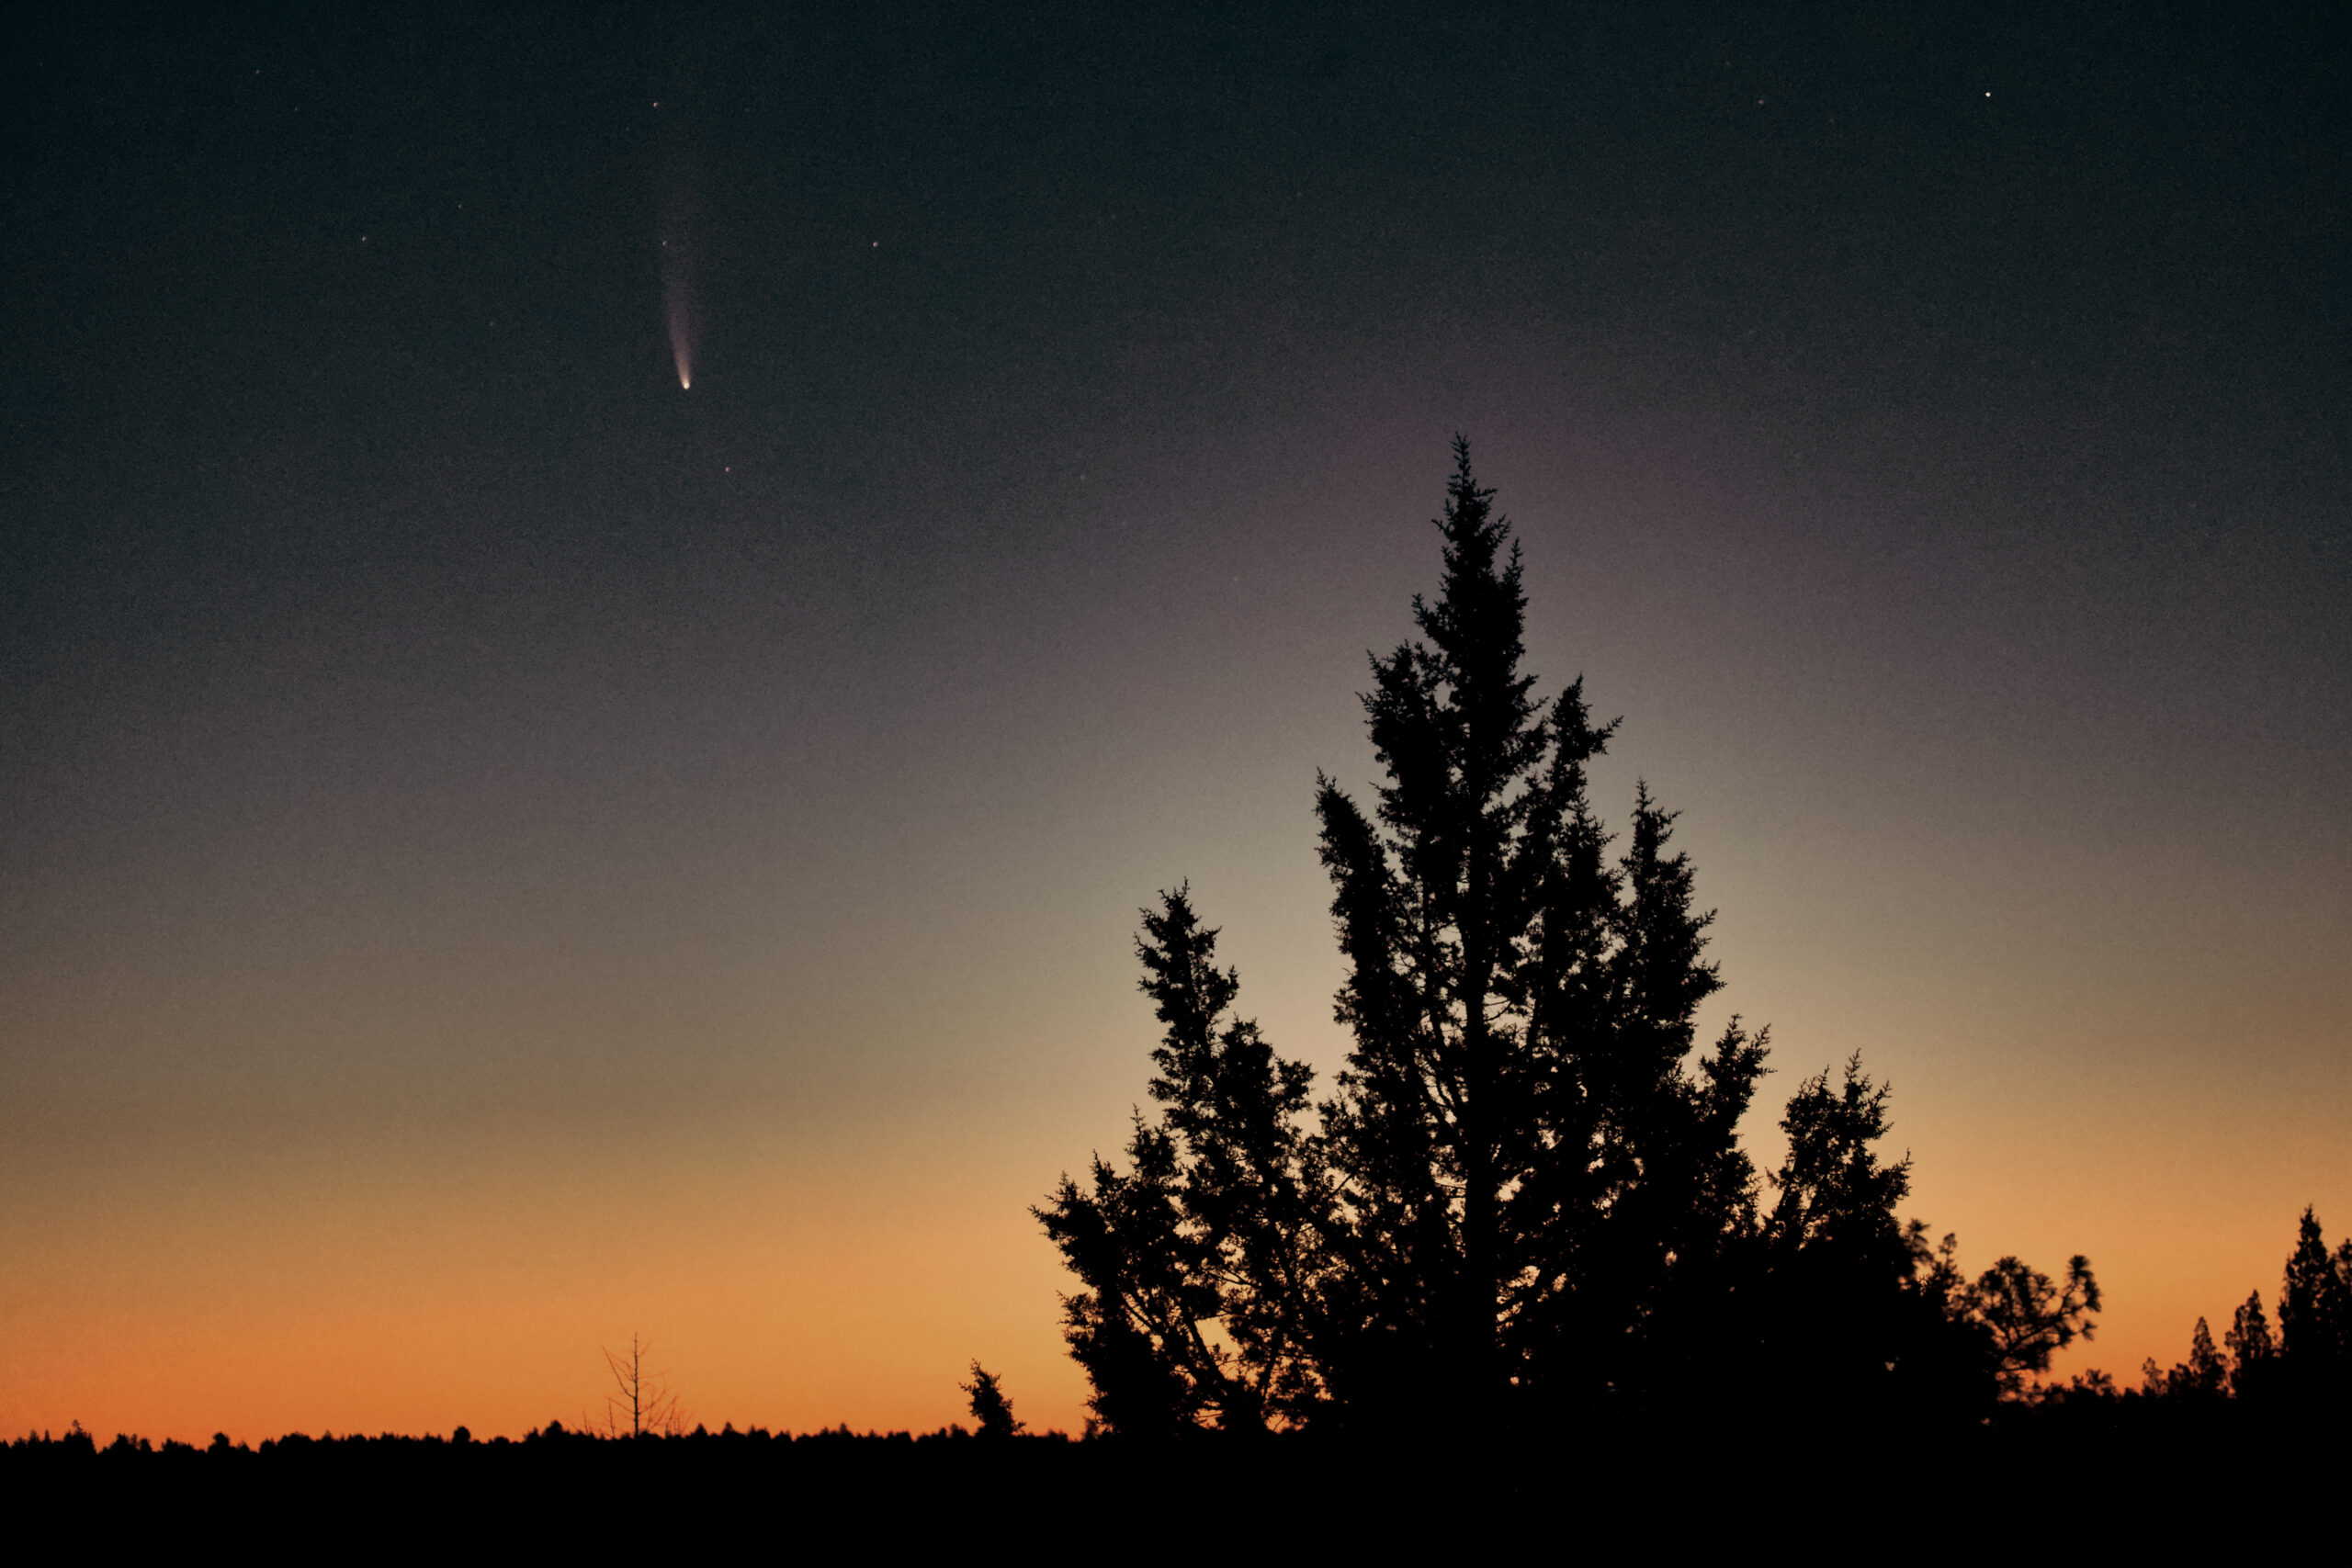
1526 1196
1518 1134
2314 1316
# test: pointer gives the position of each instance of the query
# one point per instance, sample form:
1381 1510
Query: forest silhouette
1518 1228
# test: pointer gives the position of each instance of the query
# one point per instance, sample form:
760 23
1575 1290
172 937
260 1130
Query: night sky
502 851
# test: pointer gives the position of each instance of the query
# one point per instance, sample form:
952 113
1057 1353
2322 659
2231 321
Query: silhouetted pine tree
1222 1217
2204 1376
2031 1317
1526 1159
1851 1311
2252 1350
2314 1315
992 1411
1527 1195
2209 1375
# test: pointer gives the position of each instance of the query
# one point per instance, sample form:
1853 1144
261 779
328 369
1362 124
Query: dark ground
2152 1478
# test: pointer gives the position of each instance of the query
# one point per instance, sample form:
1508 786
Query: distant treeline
2030 1466
2294 1380
2297 1375
2262 1427
73 1443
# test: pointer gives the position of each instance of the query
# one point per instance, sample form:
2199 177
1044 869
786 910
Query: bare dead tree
642 1402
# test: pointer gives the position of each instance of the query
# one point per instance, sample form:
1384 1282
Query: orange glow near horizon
418 1291
420 1284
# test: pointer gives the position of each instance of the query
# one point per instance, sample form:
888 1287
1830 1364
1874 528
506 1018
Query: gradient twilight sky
501 851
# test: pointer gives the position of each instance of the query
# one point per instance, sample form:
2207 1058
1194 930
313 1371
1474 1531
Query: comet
677 298
679 219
